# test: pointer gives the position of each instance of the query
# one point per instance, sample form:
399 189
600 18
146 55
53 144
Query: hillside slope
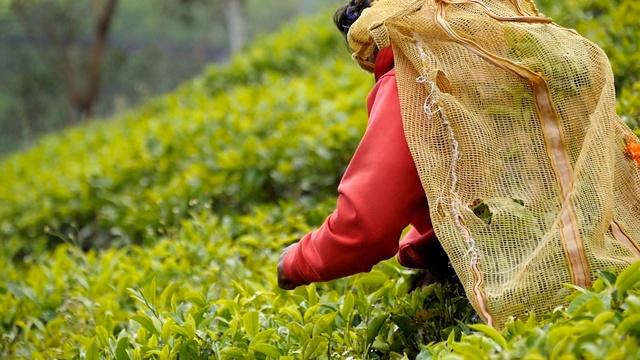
279 122
156 234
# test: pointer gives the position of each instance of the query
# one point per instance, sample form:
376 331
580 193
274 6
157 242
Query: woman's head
348 14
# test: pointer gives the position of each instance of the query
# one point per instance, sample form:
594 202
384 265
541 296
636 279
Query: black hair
346 15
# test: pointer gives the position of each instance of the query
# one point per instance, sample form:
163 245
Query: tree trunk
235 23
82 84
94 66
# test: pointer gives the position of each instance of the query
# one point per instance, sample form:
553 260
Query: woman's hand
283 282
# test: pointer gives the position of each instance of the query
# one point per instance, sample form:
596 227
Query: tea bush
209 292
132 178
156 235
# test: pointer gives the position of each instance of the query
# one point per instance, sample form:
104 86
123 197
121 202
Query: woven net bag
530 175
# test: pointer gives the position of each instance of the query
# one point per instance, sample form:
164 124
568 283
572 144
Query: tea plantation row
209 292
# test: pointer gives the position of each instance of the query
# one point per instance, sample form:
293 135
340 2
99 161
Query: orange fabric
379 195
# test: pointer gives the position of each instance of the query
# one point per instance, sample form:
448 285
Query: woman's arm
379 196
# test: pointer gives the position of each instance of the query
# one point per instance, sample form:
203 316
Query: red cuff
380 194
415 249
290 270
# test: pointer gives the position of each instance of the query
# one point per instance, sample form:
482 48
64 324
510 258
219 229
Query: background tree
234 16
148 48
58 25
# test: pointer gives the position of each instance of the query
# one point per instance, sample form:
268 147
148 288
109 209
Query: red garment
379 196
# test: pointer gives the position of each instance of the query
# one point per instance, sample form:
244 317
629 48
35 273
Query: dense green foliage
130 179
156 234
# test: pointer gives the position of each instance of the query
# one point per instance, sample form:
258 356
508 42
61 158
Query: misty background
64 62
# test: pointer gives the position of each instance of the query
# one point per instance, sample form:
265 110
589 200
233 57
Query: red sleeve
379 195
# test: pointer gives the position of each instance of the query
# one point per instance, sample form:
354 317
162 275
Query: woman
509 129
380 194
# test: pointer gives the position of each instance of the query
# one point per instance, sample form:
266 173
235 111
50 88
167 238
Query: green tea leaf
559 333
93 352
468 351
102 336
312 294
579 303
199 299
251 324
293 311
121 348
166 330
374 327
380 346
235 352
190 327
137 295
372 278
347 306
108 324
451 339
534 357
603 318
628 278
492 333
266 349
152 291
608 277
323 323
299 331
598 304
159 353
630 325
146 322
180 330
167 293
314 345
531 322
311 311
262 336
153 342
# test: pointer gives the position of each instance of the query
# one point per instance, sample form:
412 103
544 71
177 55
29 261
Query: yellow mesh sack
530 175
